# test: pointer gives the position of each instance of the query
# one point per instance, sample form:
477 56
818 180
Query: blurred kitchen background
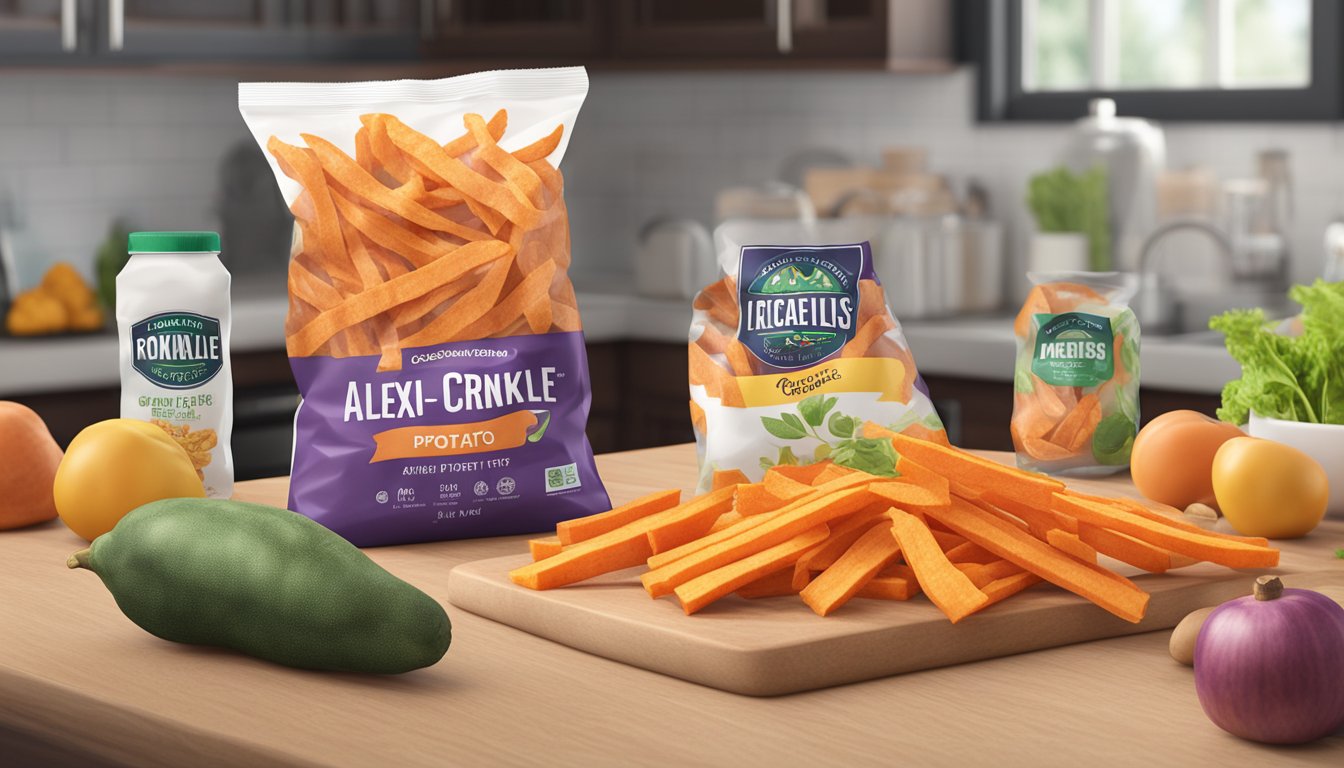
1193 141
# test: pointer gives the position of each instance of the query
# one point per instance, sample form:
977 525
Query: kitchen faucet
1156 308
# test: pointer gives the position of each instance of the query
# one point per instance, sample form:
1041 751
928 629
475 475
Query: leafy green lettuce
1297 378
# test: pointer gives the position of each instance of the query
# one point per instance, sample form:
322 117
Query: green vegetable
111 257
1127 324
1339 553
1063 201
1113 439
1292 378
266 582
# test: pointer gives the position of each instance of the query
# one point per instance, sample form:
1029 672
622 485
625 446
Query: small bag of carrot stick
791 352
1076 379
432 327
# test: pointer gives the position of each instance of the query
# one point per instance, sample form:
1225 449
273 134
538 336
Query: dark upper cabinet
43 31
81 32
364 30
751 31
462 34
158 30
484 30
563 31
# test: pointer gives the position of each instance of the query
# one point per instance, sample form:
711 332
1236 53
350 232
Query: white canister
1058 252
675 259
173 322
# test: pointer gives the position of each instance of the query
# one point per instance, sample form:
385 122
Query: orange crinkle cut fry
867 335
720 300
977 472
666 555
699 592
872 551
843 535
584 528
1200 546
753 537
437 164
724 477
775 584
379 298
1108 590
540 549
382 258
620 548
755 499
946 586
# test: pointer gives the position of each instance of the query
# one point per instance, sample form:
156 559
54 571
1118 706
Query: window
1166 59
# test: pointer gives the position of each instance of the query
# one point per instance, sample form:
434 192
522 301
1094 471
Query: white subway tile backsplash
53 184
56 100
77 151
26 145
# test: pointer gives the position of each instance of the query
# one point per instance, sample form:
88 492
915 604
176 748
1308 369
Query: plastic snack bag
791 352
432 328
1076 380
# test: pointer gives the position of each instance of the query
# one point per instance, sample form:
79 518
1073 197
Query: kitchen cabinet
539 31
536 31
42 31
84 32
639 395
464 35
743 31
563 31
152 30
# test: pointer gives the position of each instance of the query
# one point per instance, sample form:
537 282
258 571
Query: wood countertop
80 683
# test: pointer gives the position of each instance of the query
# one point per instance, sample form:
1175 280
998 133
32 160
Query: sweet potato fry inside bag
1076 381
791 351
432 327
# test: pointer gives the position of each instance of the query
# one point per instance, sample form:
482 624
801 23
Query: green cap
173 242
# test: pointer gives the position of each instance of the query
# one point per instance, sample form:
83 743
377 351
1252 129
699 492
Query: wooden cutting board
776 646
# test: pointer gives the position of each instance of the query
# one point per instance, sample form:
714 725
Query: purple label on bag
468 439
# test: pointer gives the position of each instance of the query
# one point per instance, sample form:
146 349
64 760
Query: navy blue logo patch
798 304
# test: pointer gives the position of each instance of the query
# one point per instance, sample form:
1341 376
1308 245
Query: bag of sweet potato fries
432 327
792 351
1076 381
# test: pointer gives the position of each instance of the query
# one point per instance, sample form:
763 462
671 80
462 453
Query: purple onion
1270 667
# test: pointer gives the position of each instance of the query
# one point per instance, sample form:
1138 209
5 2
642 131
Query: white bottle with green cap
173 323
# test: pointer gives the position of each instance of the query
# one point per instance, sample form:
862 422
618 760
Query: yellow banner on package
847 374
508 431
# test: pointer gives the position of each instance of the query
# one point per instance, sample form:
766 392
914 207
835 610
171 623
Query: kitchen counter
79 682
32 365
984 348
977 347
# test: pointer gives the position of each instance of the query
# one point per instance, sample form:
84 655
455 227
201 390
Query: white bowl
1322 442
